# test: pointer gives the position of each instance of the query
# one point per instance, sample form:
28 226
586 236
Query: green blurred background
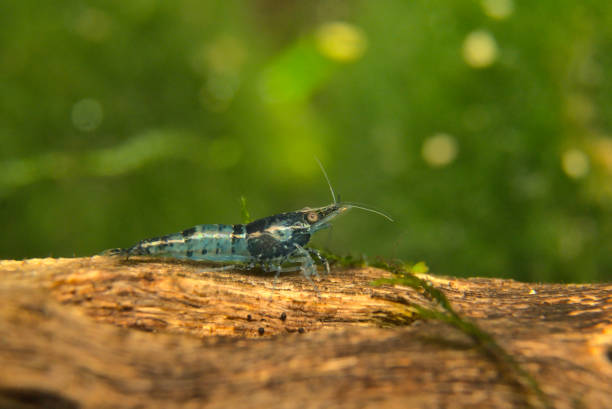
483 127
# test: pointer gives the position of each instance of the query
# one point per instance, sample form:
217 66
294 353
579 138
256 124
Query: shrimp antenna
355 205
359 206
327 179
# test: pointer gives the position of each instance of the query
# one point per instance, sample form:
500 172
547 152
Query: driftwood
103 332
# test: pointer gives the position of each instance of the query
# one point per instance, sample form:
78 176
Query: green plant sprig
244 212
405 275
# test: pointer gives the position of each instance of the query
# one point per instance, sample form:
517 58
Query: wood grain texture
103 332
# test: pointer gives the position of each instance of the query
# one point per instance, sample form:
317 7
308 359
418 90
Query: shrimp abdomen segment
210 242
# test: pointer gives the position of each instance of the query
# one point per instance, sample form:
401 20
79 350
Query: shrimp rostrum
275 243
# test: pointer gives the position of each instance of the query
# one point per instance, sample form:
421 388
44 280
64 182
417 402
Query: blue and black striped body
270 242
210 242
266 240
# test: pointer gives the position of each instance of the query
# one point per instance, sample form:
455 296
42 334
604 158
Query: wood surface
104 332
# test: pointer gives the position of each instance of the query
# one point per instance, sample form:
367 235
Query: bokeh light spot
498 9
341 41
87 115
226 55
480 49
602 152
93 25
221 88
575 163
439 150
218 92
574 236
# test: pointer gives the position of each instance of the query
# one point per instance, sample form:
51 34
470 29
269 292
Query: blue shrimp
270 243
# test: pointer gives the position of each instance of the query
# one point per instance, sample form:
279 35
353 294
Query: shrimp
269 243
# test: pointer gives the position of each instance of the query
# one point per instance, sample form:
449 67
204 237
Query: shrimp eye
312 217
